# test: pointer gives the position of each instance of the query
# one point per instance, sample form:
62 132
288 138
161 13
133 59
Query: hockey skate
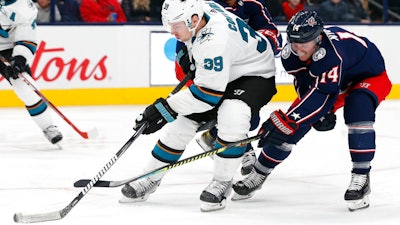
248 161
246 188
357 193
52 134
139 191
214 195
206 141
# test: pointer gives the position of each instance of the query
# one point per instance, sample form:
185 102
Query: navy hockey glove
183 59
157 115
326 122
276 129
19 65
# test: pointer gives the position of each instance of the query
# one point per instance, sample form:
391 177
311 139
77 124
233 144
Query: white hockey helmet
174 11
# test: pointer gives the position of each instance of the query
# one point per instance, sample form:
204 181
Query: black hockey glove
19 65
183 59
276 129
7 71
326 122
156 115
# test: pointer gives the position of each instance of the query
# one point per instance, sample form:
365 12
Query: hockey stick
57 215
102 183
89 134
92 133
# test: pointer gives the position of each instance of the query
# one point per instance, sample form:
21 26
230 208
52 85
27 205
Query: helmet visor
175 27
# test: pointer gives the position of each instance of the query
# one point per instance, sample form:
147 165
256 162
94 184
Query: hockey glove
156 115
274 38
277 129
7 71
183 59
19 65
326 122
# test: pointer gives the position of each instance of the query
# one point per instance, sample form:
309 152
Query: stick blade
84 182
36 218
93 133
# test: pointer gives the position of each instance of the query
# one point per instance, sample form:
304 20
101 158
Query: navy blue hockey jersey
343 58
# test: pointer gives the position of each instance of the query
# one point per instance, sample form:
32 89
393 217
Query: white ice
307 188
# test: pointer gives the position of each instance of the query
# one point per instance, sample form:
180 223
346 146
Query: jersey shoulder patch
285 52
319 54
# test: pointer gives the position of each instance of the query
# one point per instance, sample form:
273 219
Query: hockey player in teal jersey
235 76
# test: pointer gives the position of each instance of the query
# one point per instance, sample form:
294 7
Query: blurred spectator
142 10
357 9
69 10
291 7
337 11
102 11
312 2
275 9
43 15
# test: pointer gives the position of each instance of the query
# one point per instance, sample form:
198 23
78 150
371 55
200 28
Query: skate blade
204 146
58 146
126 200
354 205
237 197
209 207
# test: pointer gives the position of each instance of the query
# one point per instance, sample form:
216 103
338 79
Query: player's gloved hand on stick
274 39
277 129
156 115
326 122
183 59
19 65
7 71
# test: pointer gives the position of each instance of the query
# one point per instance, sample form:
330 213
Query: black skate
249 158
214 195
357 193
246 188
138 191
52 134
206 141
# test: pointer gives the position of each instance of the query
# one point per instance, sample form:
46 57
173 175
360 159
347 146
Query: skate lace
51 129
249 158
357 181
254 179
218 188
143 186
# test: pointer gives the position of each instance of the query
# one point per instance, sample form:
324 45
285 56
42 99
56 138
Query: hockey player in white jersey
18 45
234 76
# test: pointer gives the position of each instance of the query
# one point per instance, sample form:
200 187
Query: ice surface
307 188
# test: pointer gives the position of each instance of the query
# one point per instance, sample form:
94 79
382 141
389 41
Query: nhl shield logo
319 54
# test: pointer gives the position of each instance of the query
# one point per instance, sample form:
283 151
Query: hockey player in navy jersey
234 77
332 67
18 43
257 16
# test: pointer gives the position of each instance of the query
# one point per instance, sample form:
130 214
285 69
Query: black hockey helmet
304 26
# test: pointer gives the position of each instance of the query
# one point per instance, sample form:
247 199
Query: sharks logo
205 35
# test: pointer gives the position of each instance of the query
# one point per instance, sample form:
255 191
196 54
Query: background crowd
149 11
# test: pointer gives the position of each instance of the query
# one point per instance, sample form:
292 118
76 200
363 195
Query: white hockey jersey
18 27
225 49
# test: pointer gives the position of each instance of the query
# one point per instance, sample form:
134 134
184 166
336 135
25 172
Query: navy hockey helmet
304 26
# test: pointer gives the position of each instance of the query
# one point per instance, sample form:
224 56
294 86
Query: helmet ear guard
304 26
